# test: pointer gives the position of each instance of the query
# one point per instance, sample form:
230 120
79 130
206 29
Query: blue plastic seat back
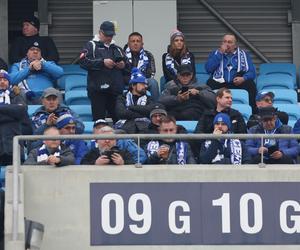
72 68
76 97
274 81
39 86
244 109
31 109
189 125
75 82
202 77
293 110
84 111
61 82
240 96
200 68
88 127
288 96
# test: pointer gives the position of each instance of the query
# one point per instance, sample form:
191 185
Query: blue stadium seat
293 110
244 109
88 127
274 81
288 96
72 68
31 109
200 68
189 125
202 78
279 68
84 111
76 97
40 86
61 82
240 96
75 82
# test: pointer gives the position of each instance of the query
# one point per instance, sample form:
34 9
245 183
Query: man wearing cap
223 151
50 111
184 98
33 70
30 30
133 107
232 68
275 151
265 99
104 62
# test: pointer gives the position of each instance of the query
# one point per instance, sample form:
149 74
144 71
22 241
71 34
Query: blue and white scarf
170 63
4 96
143 59
43 153
181 151
242 65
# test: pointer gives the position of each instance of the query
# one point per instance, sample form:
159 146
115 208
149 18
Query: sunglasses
267 100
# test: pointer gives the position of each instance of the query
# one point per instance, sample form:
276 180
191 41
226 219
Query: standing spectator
104 62
265 99
178 54
184 98
30 30
223 151
32 70
133 107
232 67
169 151
107 152
51 152
138 57
276 151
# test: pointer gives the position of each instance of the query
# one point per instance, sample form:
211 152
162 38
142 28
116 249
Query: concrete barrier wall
59 198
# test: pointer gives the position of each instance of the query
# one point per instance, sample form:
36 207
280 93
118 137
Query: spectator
104 62
169 151
30 30
138 57
133 107
33 69
265 99
50 111
51 152
232 67
223 151
184 98
177 55
107 153
276 151
3 64
156 115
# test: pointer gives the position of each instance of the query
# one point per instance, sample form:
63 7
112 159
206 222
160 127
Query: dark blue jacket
78 147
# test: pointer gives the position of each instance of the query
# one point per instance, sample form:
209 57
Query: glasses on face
268 100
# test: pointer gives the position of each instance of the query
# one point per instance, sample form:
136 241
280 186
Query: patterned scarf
41 118
181 150
170 63
4 96
143 59
242 65
43 153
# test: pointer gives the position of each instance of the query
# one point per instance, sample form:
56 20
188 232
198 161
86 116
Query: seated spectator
138 154
232 68
107 153
178 54
138 57
134 106
184 98
51 110
32 70
275 151
51 152
3 64
30 31
265 99
169 151
223 151
157 113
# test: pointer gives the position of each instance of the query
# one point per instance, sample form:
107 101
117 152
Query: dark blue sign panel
195 213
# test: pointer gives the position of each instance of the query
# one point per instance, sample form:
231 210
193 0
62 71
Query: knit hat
64 120
50 91
4 74
174 34
34 44
100 121
222 117
158 109
261 95
108 28
137 77
34 21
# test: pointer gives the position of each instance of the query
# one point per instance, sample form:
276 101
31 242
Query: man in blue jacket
232 67
276 151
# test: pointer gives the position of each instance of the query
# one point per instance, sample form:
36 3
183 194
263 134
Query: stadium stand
288 96
61 82
188 125
240 96
75 82
244 109
31 109
76 97
274 81
88 127
293 110
84 111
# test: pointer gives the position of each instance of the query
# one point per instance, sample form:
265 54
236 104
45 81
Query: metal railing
138 137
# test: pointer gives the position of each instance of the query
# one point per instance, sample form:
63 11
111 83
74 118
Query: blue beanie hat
64 120
4 74
137 77
222 117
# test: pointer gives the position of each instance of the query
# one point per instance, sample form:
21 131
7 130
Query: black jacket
3 64
100 78
20 46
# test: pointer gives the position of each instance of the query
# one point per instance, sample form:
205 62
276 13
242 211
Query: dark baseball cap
267 112
108 28
185 68
261 95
